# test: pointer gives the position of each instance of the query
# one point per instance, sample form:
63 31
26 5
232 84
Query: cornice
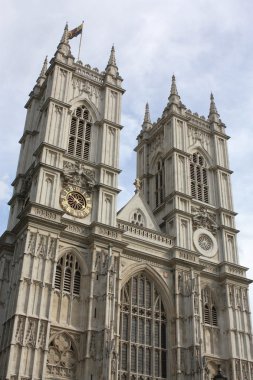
50 99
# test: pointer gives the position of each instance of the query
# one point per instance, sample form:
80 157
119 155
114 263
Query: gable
138 212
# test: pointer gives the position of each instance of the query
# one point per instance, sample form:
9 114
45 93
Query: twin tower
151 292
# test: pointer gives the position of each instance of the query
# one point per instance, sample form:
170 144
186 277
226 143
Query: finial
213 113
112 59
147 114
42 75
63 48
44 67
64 38
174 98
111 67
147 121
138 185
173 90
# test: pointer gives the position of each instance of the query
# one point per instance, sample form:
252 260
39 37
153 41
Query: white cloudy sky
207 44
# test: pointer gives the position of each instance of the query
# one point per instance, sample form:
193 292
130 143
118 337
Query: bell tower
182 161
71 140
66 184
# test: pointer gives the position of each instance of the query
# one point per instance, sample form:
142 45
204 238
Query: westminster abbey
153 291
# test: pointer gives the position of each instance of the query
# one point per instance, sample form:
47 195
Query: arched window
68 275
80 133
143 324
210 316
159 183
198 173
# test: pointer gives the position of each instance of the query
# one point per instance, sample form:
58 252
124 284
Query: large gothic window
198 173
159 183
143 342
80 133
68 275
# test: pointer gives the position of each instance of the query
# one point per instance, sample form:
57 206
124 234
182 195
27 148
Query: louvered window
210 316
68 275
80 133
145 341
214 316
199 180
159 183
207 314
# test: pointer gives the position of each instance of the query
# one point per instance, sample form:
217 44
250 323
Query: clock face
75 202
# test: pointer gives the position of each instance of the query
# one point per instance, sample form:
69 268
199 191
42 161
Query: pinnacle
64 38
147 121
42 75
173 90
112 59
174 98
147 114
44 68
213 109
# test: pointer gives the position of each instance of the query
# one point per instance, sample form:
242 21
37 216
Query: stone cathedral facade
151 292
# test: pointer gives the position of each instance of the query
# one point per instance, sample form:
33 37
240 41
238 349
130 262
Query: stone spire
64 47
112 59
65 36
174 97
213 113
111 67
42 75
147 121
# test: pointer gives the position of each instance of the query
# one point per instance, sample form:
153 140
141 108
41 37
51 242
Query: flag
75 32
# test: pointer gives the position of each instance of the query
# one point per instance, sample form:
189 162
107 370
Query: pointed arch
77 253
198 148
69 272
63 356
82 101
160 283
143 327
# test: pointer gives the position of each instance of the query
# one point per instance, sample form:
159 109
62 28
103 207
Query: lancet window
68 275
159 183
143 331
199 180
80 133
137 218
210 316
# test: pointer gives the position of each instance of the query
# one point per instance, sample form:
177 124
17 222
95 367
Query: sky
207 44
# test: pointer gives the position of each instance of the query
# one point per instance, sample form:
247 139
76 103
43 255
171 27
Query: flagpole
80 43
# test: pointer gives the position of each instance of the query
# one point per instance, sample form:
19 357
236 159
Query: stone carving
203 218
77 174
46 246
19 336
31 243
61 358
31 332
42 334
42 247
104 262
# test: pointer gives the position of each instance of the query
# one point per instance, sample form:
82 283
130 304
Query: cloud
5 188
